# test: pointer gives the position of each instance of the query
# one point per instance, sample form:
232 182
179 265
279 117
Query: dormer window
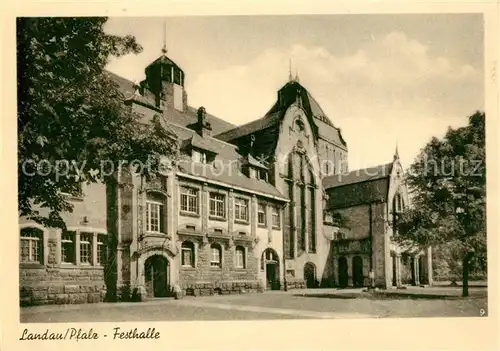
199 156
253 173
262 174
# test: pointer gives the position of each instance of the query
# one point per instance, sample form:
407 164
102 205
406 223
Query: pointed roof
324 126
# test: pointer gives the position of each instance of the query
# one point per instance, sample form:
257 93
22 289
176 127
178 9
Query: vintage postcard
315 176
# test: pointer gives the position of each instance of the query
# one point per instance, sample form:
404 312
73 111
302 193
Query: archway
310 275
342 269
157 276
270 261
357 272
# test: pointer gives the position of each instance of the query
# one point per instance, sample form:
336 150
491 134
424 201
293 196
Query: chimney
204 128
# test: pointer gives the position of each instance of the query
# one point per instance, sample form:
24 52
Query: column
58 246
94 249
349 270
414 267
417 269
269 221
308 208
429 266
230 212
77 247
204 208
398 270
253 217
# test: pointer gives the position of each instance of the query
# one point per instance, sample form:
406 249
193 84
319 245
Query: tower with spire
165 80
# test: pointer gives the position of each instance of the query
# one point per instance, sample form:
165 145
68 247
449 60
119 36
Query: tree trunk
465 274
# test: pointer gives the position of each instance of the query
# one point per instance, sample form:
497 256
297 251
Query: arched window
31 245
187 254
215 255
240 261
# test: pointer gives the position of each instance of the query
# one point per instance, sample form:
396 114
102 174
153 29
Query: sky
385 80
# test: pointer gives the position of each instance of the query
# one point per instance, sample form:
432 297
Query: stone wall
295 283
203 272
43 285
228 287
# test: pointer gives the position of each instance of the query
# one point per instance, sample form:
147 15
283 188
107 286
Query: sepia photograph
250 167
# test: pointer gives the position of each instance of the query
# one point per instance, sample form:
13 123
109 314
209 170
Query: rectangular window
241 209
102 249
187 257
154 212
31 246
276 217
261 214
68 247
86 248
240 258
217 205
263 174
189 200
215 260
198 156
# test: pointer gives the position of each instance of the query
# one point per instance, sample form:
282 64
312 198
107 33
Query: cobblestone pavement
299 304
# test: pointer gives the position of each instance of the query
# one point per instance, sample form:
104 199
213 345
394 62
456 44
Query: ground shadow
391 296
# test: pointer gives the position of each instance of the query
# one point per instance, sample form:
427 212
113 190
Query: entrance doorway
270 261
157 276
342 269
357 272
310 275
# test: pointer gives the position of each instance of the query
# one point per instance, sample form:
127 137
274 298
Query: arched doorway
157 276
357 272
310 275
342 268
270 262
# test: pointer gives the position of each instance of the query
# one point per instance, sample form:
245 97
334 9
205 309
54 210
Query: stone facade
245 210
45 276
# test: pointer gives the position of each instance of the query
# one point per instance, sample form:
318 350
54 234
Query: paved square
303 304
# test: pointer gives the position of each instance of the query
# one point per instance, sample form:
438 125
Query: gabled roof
358 175
186 118
252 127
227 168
325 127
357 187
198 142
229 174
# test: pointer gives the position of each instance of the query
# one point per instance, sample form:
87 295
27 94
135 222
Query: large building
248 208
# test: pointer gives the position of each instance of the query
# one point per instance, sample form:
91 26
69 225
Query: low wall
221 287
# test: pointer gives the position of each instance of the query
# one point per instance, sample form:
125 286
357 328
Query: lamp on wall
85 220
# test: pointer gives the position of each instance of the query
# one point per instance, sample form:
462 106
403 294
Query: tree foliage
447 183
70 113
